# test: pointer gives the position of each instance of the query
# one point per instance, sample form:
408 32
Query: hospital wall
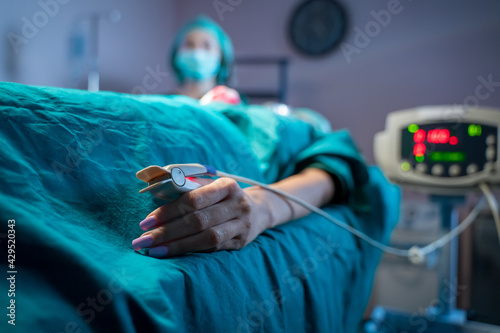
36 41
431 52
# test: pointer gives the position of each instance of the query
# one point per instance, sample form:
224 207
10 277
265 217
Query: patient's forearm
312 185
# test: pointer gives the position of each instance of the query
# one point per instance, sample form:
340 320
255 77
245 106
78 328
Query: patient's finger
232 244
160 215
200 198
197 221
212 238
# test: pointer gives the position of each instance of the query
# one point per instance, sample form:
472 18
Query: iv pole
94 20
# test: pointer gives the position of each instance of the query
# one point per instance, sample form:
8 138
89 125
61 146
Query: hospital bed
69 192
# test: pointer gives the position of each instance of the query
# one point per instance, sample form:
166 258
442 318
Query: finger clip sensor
169 182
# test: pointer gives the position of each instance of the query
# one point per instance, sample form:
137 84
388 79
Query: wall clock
316 27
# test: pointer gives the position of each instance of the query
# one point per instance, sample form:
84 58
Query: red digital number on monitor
438 136
434 136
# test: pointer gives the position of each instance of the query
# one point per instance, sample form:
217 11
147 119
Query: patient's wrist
271 209
265 212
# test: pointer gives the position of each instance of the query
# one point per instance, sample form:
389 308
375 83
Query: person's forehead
201 34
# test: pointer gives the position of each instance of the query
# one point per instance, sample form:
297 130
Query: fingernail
142 242
158 252
148 223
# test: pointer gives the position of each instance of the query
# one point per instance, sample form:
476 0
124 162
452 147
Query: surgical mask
197 64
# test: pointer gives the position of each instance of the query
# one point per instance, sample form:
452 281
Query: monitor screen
447 149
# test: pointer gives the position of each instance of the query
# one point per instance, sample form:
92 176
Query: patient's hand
217 216
222 216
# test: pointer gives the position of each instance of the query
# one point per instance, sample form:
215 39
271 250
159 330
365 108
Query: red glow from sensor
419 136
453 140
419 149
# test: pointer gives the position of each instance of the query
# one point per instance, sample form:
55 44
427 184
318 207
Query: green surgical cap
205 23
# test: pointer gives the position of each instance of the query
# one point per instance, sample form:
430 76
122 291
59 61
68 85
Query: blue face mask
197 64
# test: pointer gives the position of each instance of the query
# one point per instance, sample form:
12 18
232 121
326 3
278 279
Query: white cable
493 205
415 253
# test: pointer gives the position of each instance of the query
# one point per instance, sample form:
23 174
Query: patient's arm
222 216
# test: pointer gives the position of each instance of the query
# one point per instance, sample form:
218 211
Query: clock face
317 26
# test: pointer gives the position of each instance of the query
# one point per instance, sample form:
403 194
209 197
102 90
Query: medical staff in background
202 59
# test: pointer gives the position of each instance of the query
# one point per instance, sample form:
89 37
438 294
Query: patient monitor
442 149
445 151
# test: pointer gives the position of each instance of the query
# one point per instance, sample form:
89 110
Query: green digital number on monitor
447 156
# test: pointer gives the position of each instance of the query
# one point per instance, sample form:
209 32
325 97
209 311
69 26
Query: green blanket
67 178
